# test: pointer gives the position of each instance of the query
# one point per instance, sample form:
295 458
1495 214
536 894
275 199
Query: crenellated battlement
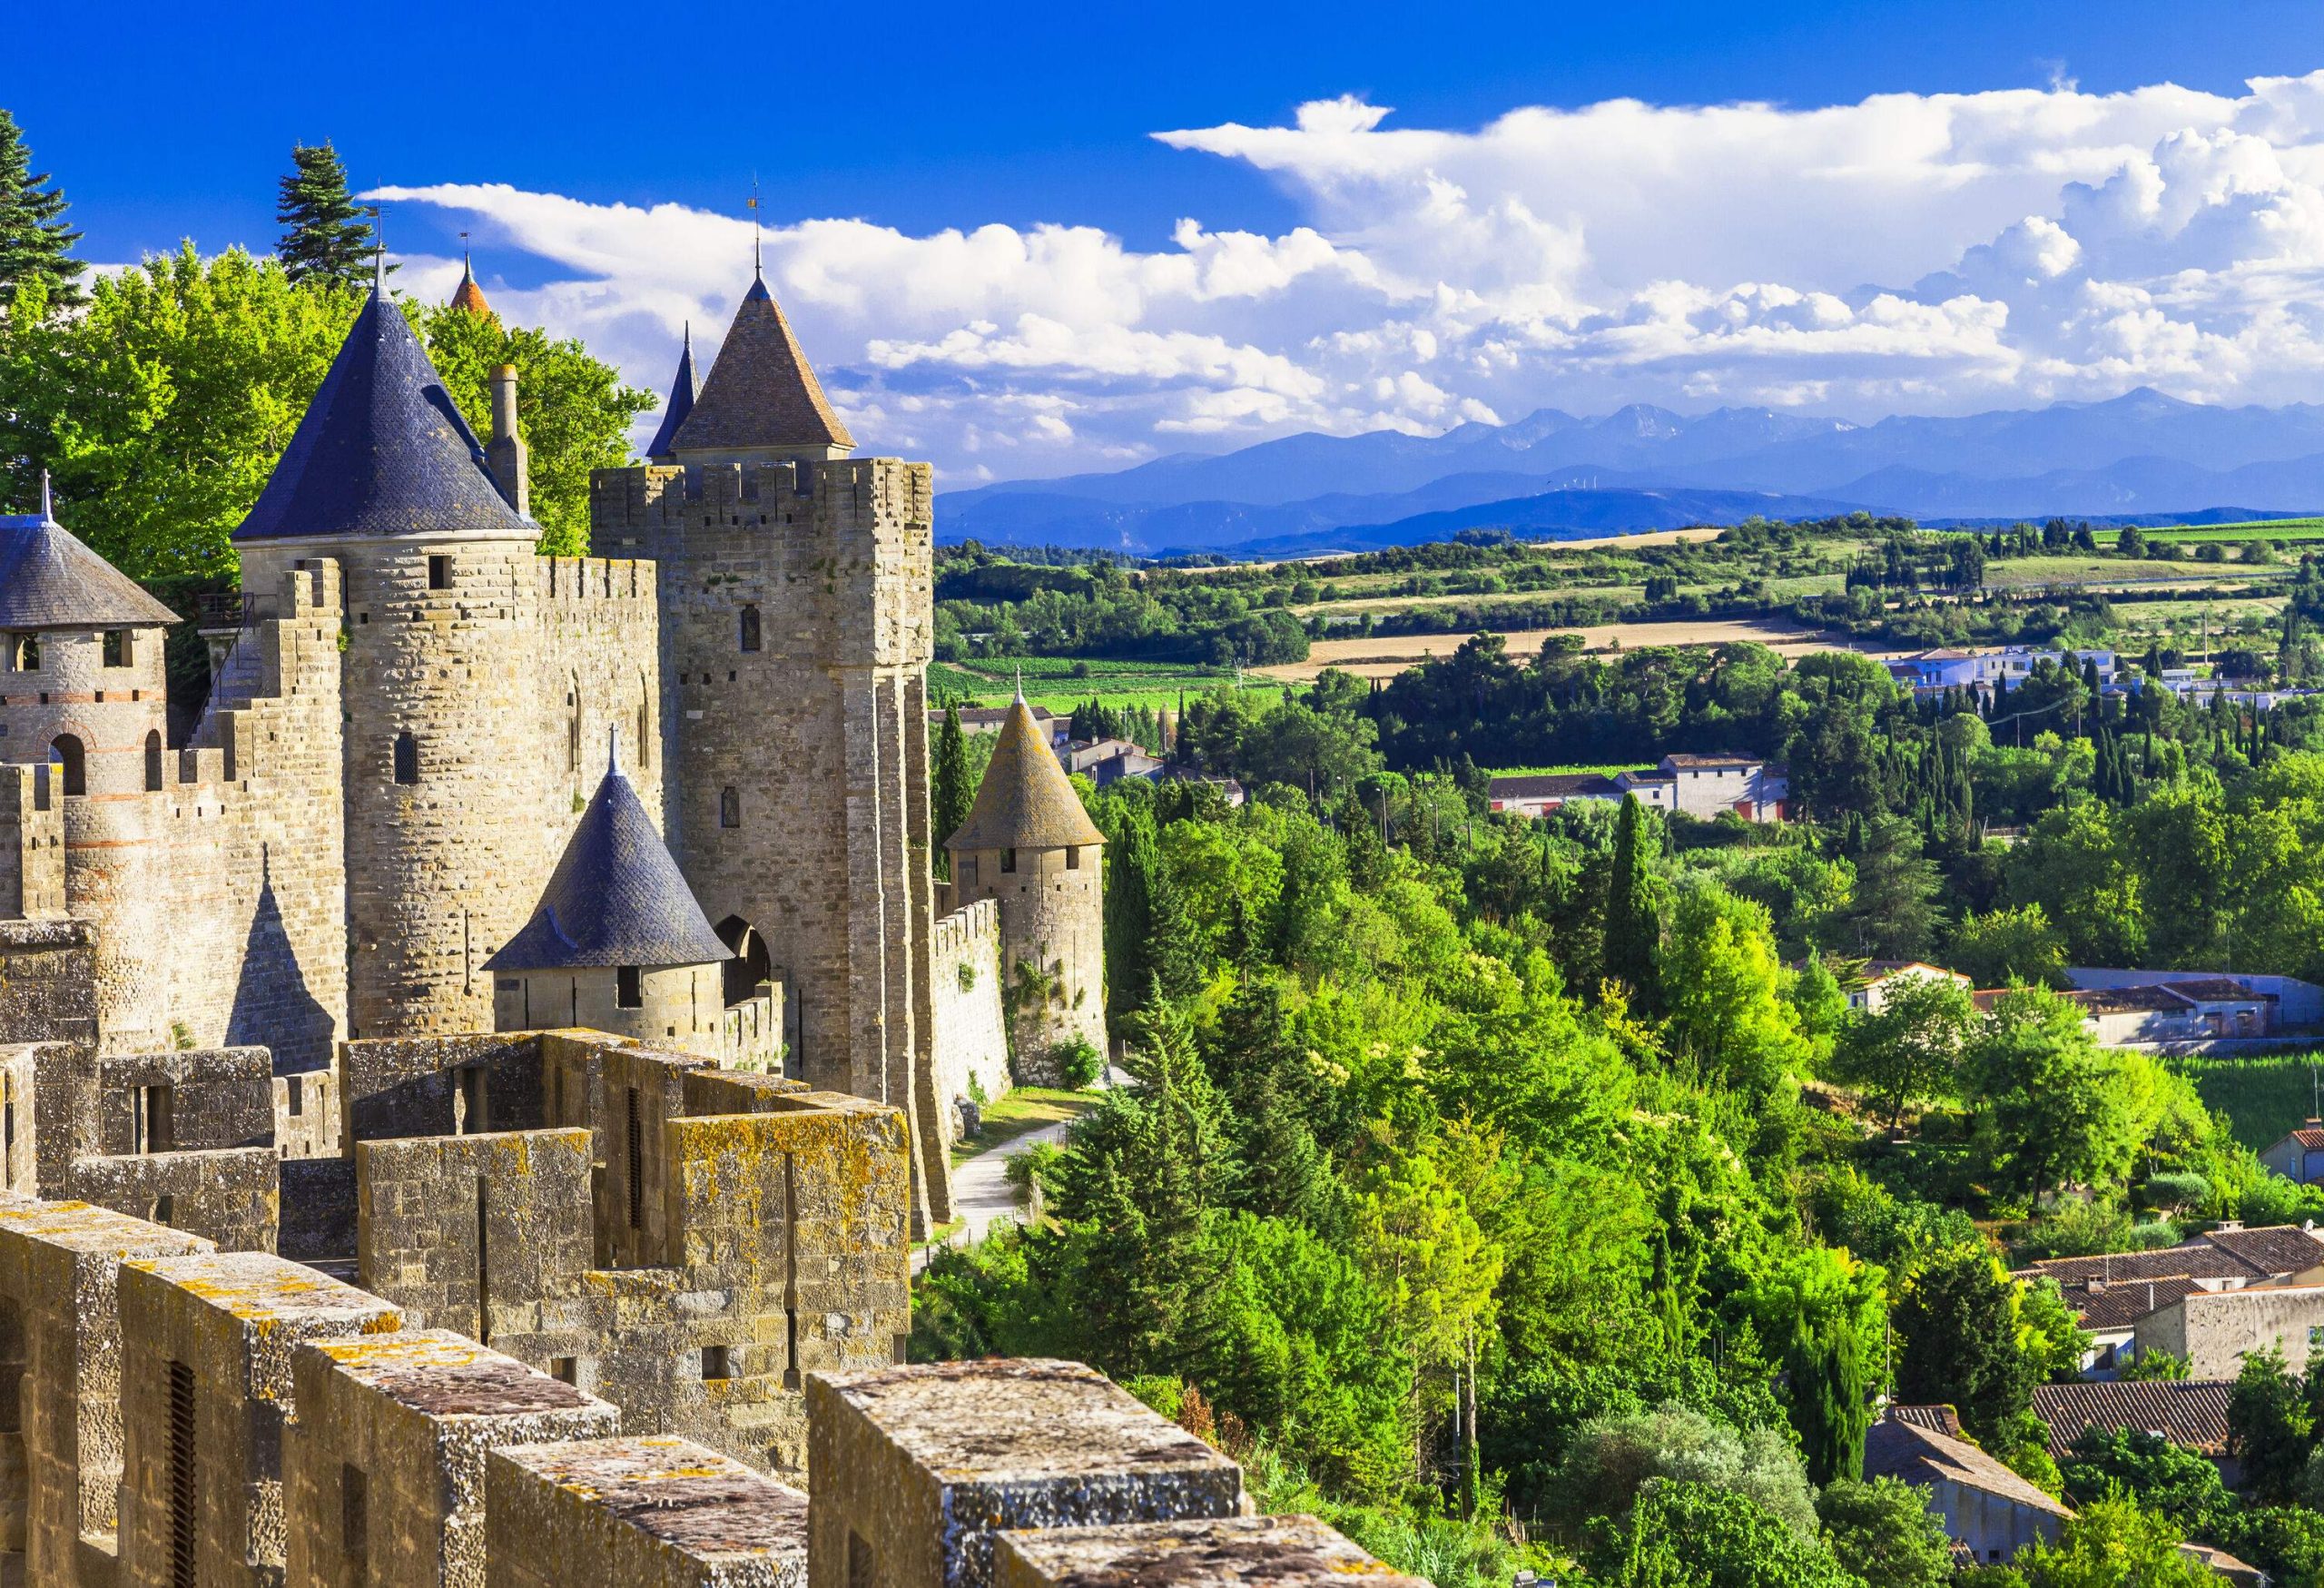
587 582
966 929
637 507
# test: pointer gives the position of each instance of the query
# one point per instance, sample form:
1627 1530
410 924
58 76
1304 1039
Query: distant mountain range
2142 456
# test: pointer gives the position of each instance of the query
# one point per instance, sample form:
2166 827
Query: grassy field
2263 1097
2019 573
1061 683
1571 769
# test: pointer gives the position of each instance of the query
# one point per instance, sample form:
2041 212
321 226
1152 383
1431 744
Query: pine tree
951 795
1130 861
1633 923
324 236
35 242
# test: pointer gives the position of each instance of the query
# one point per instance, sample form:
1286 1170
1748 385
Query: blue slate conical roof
382 450
48 579
614 899
681 401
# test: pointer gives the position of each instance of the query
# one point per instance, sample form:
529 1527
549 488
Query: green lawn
2263 1097
1026 1109
1607 769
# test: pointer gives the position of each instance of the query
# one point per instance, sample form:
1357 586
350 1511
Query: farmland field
1385 655
2253 530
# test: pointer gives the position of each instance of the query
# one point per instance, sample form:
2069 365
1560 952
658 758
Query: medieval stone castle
466 1114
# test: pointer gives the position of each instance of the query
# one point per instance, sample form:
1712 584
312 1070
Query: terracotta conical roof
467 295
681 402
1026 801
760 391
614 899
382 450
50 580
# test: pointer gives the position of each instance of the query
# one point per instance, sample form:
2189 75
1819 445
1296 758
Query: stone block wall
796 627
413 1086
642 1512
971 1031
48 982
206 1385
1052 947
384 1477
599 672
60 1331
228 1196
918 1470
1231 1552
32 844
472 1232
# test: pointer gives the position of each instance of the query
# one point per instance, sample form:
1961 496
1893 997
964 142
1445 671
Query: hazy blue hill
2139 453
1561 515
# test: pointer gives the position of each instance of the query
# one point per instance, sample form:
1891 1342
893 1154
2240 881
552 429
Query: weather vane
755 267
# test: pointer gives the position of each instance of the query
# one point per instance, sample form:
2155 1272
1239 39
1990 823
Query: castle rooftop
467 295
681 403
615 897
1026 801
383 451
762 394
48 579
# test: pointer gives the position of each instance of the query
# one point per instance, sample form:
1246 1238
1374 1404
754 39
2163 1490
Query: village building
1702 786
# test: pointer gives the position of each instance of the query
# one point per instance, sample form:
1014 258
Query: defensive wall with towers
410 709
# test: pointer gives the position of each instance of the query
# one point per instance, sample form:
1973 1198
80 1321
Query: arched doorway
65 754
751 964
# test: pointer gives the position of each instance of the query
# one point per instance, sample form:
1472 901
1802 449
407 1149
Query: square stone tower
796 589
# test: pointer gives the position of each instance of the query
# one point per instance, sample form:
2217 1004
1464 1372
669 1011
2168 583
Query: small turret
1028 845
617 941
467 295
681 403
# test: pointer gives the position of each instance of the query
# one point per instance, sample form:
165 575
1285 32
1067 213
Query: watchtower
1030 846
449 817
82 698
797 617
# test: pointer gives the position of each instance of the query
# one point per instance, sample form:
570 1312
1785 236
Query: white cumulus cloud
1925 252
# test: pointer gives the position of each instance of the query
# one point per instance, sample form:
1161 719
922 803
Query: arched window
154 761
730 807
65 753
406 758
749 628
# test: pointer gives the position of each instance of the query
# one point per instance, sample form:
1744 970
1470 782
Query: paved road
982 1194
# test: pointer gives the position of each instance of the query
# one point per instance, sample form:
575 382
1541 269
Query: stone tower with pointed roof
797 622
464 679
1029 846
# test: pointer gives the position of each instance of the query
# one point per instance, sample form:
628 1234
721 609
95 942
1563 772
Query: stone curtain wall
964 985
819 732
48 982
600 670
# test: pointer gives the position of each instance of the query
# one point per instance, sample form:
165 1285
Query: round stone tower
1030 846
446 775
82 692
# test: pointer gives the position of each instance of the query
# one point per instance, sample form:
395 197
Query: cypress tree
1633 923
35 244
951 795
1130 861
324 235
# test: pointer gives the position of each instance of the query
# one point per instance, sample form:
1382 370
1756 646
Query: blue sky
1978 259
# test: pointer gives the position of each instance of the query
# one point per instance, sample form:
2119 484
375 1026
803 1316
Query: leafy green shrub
1078 1063
1884 1532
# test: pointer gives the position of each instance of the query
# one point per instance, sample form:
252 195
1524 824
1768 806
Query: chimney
504 453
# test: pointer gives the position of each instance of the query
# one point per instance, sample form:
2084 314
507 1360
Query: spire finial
467 260
47 506
688 334
612 751
1020 683
378 249
758 271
